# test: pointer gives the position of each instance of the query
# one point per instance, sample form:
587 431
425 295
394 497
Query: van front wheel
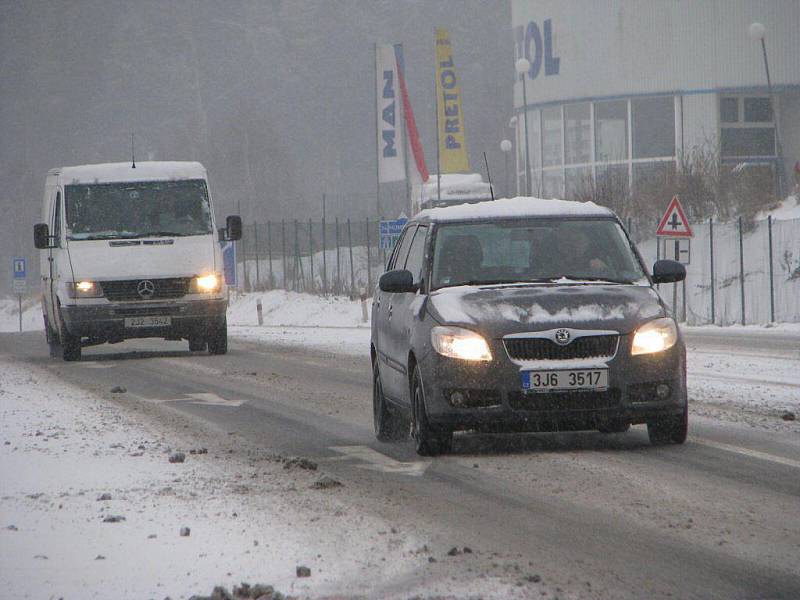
218 340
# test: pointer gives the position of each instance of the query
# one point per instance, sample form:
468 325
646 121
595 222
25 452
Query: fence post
771 280
741 265
324 261
352 270
311 255
283 251
244 260
337 288
255 241
711 254
366 243
295 279
269 255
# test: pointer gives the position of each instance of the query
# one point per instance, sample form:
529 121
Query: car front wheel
427 440
669 430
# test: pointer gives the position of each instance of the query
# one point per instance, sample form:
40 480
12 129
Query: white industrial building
627 87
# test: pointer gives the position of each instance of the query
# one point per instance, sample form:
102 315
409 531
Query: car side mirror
399 281
41 236
233 227
668 271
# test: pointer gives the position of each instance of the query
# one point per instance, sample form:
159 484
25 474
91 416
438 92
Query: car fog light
457 399
662 391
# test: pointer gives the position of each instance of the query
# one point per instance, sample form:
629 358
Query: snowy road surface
578 515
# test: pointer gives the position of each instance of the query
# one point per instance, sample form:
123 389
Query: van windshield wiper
158 234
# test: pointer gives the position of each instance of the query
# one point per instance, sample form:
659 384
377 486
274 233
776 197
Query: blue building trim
759 89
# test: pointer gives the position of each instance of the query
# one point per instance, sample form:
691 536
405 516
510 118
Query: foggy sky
274 97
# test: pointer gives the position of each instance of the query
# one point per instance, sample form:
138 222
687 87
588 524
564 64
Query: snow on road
250 519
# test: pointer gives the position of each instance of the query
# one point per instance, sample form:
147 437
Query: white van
131 251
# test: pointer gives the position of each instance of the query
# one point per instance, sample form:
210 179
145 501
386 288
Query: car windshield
543 250
137 209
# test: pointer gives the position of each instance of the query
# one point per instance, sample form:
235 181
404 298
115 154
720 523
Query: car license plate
567 379
148 322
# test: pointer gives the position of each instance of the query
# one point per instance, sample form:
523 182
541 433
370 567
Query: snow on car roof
144 171
505 208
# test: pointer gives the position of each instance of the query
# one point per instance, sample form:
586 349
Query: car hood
500 310
145 258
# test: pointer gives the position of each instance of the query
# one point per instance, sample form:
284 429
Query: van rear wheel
70 347
196 343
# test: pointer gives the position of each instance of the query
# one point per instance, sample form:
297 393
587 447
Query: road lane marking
747 452
375 461
208 399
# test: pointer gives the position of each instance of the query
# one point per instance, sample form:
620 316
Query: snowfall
91 506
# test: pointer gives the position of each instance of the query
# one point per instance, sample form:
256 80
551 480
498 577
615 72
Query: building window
747 127
611 131
579 183
551 136
653 127
552 183
578 133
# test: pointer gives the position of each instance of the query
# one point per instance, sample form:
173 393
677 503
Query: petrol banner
391 165
452 144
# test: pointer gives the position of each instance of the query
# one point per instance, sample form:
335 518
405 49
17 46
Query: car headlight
206 283
456 342
655 336
84 289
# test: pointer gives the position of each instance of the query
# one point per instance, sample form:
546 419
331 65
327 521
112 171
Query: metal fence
739 272
342 257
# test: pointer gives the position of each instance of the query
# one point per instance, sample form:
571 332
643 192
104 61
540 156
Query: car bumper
106 322
493 398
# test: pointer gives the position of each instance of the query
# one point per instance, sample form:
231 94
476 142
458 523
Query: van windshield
542 250
137 209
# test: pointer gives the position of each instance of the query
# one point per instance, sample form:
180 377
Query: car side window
416 254
56 229
402 251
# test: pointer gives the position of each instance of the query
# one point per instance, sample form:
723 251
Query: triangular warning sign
674 222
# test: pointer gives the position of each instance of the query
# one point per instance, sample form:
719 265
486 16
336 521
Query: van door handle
390 312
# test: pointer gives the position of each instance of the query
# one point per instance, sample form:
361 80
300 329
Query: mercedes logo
146 288
562 337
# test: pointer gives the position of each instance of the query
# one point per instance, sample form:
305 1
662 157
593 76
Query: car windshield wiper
598 279
479 282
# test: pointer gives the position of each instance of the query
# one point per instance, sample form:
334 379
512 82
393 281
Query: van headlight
457 342
655 336
204 284
84 289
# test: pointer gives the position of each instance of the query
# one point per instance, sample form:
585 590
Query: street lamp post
522 66
505 146
757 31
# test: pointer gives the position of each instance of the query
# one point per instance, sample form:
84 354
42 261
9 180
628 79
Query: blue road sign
229 262
390 232
20 270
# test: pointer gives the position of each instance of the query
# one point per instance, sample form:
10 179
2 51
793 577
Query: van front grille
129 289
592 346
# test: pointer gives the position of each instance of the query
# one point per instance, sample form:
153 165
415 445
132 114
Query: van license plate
148 322
571 379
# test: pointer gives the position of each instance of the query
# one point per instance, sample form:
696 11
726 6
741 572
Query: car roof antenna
488 176
133 155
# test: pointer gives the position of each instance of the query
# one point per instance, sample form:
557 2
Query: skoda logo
562 337
146 288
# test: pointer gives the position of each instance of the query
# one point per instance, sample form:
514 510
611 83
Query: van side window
402 249
56 228
416 254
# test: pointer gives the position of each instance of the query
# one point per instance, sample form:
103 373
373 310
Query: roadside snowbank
31 314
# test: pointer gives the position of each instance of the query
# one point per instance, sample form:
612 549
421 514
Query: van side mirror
399 281
668 271
233 226
41 236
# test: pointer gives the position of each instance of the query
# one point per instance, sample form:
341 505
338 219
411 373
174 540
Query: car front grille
127 290
564 401
592 346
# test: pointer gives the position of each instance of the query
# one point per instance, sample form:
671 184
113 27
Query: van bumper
102 323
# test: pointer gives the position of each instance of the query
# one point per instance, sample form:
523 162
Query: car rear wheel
669 430
388 425
427 440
